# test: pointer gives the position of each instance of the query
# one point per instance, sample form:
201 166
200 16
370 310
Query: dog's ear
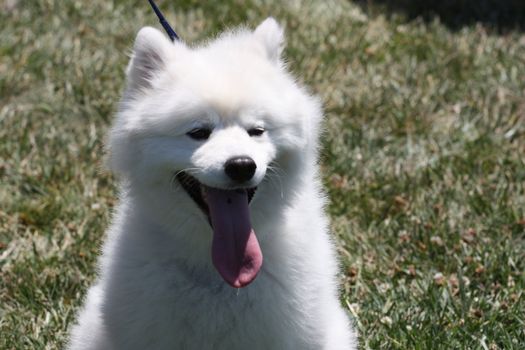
271 35
150 55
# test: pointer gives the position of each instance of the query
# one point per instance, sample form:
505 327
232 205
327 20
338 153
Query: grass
499 15
423 156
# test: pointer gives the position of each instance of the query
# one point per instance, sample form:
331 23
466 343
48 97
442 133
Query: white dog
219 240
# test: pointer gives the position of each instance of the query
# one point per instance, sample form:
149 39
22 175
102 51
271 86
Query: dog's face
212 119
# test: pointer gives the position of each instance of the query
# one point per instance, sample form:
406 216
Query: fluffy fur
157 287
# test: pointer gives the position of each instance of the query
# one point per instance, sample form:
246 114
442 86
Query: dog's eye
199 133
256 131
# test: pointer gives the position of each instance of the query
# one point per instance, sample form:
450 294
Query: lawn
423 157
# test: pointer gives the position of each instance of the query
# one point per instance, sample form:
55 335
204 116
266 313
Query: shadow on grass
500 15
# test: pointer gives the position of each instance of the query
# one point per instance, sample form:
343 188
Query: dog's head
210 121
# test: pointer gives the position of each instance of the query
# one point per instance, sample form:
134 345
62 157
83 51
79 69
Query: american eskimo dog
219 240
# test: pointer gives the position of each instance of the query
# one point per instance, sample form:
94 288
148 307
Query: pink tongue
235 251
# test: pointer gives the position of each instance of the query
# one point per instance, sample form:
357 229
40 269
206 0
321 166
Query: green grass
423 153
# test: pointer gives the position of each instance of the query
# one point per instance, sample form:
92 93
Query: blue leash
171 33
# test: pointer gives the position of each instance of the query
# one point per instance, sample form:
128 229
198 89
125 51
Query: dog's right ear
271 35
151 52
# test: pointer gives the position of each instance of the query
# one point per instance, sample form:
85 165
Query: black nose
240 169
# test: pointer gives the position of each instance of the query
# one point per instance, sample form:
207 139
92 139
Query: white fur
157 287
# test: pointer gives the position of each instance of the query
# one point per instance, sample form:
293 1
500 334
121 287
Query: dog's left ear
271 35
151 53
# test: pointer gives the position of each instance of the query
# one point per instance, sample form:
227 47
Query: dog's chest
263 315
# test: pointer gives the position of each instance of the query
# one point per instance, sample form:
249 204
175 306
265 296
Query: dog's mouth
198 191
235 250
